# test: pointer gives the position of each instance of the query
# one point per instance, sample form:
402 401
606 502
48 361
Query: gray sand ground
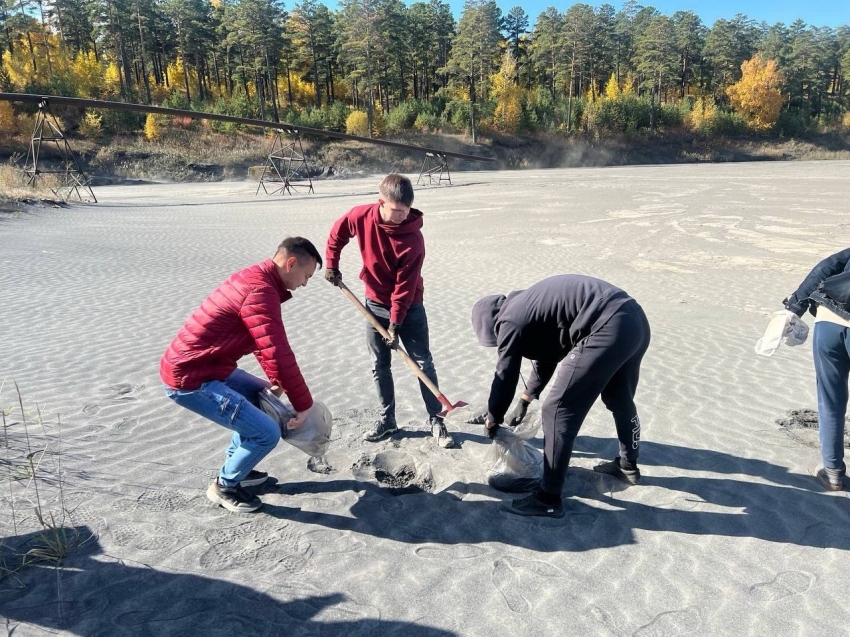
728 535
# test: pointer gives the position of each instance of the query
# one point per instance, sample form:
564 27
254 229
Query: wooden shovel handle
404 355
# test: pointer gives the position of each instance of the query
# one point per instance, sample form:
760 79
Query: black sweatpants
606 364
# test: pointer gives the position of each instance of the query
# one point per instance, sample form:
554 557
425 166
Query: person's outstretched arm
799 301
261 315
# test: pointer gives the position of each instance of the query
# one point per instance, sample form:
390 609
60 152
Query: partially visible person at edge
389 233
595 336
199 368
830 305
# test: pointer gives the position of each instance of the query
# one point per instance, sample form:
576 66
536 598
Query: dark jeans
606 364
413 334
831 350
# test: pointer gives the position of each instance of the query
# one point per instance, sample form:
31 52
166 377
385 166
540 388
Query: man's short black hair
300 248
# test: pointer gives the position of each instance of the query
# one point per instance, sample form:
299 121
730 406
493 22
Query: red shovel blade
449 407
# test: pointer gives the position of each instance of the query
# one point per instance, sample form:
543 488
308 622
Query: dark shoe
531 505
831 479
233 498
254 478
613 468
439 431
380 429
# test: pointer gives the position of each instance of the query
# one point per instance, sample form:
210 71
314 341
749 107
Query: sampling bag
511 463
313 437
783 325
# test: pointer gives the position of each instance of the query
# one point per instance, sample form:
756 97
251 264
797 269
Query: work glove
518 414
492 428
333 276
392 341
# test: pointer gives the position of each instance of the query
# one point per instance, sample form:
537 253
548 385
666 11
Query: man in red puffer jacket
392 247
199 368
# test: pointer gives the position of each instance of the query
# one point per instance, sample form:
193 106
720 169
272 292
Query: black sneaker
439 431
614 468
254 478
831 479
233 498
380 429
531 505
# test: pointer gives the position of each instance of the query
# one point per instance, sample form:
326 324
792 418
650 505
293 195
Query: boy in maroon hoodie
389 233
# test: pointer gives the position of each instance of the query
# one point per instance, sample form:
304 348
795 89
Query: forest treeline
381 66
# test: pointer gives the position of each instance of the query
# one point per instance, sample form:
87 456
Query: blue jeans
831 349
232 403
413 334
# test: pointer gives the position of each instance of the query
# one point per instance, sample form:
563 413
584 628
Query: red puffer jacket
239 317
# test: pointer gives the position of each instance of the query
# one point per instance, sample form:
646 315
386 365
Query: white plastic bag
783 325
511 463
313 437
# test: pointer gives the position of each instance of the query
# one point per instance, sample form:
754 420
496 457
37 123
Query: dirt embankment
187 155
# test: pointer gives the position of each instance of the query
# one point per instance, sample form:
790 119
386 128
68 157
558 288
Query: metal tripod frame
72 178
286 168
435 168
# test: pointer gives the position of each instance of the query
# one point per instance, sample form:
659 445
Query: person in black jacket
595 336
827 300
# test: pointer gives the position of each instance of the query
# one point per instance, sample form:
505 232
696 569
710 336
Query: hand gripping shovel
404 355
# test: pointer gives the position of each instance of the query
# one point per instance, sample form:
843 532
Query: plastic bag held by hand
797 332
313 437
783 324
511 463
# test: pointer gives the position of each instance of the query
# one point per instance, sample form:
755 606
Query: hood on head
411 224
484 314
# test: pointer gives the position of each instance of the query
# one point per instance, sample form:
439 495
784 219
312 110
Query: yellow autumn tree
8 122
152 129
612 88
357 123
87 74
508 94
757 96
703 114
628 85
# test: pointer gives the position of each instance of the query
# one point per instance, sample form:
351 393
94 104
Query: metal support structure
72 179
435 168
286 168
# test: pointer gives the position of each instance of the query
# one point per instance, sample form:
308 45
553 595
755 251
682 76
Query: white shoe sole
254 483
213 496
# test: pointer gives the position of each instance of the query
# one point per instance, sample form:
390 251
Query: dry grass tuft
36 491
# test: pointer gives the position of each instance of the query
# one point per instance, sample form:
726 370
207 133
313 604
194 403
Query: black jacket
543 323
808 291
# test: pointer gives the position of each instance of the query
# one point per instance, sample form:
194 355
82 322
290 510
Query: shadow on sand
750 498
105 596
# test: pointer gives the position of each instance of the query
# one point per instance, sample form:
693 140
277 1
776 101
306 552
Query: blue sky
831 13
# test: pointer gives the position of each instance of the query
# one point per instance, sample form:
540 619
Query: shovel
404 355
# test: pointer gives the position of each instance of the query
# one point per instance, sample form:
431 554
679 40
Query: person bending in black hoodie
594 335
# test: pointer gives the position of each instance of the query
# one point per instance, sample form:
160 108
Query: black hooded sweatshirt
543 323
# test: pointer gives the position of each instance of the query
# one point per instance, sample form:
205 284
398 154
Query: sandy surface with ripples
728 534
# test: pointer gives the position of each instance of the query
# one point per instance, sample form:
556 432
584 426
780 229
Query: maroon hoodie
392 256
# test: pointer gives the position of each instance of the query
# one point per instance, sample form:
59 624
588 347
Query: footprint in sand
822 536
784 585
670 624
393 505
449 553
329 542
121 391
506 579
240 546
604 617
